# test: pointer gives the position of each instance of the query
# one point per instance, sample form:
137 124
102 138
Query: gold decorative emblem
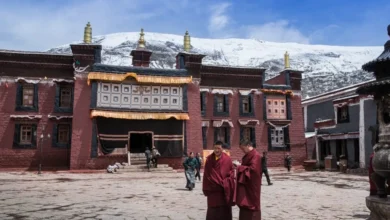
141 90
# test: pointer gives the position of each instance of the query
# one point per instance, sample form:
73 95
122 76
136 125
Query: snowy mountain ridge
325 67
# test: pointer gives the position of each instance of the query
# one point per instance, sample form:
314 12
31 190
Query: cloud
278 31
218 18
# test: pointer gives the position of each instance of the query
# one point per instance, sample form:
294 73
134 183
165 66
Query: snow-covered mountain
326 67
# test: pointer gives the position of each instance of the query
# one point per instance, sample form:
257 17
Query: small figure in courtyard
190 165
218 184
155 156
148 157
287 161
264 168
199 160
112 168
249 175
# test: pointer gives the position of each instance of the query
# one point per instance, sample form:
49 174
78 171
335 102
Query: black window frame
339 110
227 135
252 134
286 138
251 112
55 136
19 98
57 101
225 102
204 137
203 101
16 141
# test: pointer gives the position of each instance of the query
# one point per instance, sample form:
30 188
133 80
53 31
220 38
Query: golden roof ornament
88 34
286 60
141 41
187 42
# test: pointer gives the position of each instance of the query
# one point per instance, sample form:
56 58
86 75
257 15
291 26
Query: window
278 138
246 108
203 103
222 134
61 135
26 97
204 137
65 97
246 105
248 134
276 107
25 136
221 105
343 114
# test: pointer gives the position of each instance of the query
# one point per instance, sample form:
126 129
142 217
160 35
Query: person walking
190 165
287 162
155 156
199 160
148 157
264 168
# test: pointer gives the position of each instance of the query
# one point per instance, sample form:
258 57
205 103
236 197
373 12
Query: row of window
27 97
25 135
278 138
276 106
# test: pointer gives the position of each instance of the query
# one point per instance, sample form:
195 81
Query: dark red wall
29 158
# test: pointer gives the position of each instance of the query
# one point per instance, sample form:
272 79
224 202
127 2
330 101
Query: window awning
251 122
139 115
222 91
30 117
59 117
221 123
204 90
205 124
353 135
115 77
248 91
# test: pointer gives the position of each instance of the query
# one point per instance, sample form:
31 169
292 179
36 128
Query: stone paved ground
295 196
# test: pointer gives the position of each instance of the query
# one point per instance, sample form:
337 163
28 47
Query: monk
249 183
218 184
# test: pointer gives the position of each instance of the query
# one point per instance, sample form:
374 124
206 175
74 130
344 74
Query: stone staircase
138 164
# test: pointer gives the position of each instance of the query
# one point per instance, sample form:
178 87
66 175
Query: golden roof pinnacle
141 41
286 60
187 42
88 34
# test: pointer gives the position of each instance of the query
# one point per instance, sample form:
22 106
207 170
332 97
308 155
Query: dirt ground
149 196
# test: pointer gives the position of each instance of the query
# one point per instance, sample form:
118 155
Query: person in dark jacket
199 160
264 167
287 161
148 156
190 165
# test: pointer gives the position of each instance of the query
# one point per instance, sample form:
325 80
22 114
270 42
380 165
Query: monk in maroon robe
218 184
249 183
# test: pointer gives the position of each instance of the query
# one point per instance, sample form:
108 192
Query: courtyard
295 196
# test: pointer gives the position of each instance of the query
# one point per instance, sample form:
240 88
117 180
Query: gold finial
88 34
187 42
286 60
141 41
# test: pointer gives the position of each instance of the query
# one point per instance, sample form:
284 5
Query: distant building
71 111
340 122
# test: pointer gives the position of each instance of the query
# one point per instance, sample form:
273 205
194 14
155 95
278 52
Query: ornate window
28 95
246 105
276 107
64 98
26 134
278 138
221 105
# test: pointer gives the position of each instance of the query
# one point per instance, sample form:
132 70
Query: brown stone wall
277 80
29 158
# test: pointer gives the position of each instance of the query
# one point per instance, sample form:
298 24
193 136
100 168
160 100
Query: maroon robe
249 186
218 186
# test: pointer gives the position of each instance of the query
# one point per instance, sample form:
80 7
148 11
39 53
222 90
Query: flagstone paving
149 196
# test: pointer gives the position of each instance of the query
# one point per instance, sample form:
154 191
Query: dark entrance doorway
139 141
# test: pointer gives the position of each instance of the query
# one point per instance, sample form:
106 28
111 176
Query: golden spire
88 34
187 42
286 60
141 41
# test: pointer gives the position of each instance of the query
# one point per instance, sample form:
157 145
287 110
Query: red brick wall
82 126
297 140
29 158
194 125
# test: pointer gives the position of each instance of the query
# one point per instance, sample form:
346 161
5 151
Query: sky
44 24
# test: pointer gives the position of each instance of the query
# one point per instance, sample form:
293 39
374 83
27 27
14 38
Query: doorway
138 141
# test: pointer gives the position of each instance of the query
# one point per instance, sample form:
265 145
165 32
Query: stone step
143 166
